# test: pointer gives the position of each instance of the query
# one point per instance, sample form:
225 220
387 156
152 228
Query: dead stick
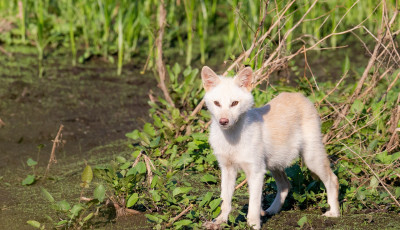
137 159
241 184
180 215
160 63
148 168
198 108
53 150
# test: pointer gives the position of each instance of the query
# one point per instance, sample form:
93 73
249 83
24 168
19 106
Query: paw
331 213
254 223
271 211
212 225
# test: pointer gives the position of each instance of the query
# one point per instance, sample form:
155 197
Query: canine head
227 98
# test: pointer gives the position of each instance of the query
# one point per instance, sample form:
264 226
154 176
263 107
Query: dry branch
160 63
56 142
180 215
394 140
241 184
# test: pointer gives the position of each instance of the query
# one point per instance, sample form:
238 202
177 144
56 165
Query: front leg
255 179
228 179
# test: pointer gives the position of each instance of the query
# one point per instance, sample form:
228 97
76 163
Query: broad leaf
47 195
99 192
180 190
31 162
30 179
208 178
87 174
132 200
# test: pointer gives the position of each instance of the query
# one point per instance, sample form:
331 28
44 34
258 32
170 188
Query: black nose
224 121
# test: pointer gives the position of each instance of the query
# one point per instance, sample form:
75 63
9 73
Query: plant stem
120 42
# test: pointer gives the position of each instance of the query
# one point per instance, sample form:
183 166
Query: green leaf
149 129
76 209
30 179
125 165
99 192
176 69
47 195
133 135
302 221
361 194
214 204
90 215
374 182
63 205
216 212
155 142
154 181
384 158
395 156
357 106
373 144
120 159
397 192
346 65
181 223
180 190
31 162
87 174
132 200
62 222
208 178
141 167
33 223
155 195
200 136
157 121
153 218
206 199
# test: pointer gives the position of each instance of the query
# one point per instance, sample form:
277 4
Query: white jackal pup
257 139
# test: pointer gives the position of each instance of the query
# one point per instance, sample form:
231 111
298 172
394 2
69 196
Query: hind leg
317 161
283 185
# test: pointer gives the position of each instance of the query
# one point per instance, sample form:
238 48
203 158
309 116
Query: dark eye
234 103
217 103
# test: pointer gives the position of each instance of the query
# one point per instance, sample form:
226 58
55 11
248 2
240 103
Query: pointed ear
244 78
210 79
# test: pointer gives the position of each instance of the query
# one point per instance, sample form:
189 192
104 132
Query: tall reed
189 10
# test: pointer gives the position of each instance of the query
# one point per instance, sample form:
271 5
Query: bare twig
241 184
394 140
148 167
56 142
160 63
180 215
137 159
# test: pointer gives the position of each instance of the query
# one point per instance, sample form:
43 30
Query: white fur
255 140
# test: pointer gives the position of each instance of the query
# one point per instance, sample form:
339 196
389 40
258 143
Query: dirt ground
97 108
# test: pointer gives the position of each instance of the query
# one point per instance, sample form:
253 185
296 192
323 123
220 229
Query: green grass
95 26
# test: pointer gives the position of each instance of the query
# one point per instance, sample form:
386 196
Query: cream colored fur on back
254 140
